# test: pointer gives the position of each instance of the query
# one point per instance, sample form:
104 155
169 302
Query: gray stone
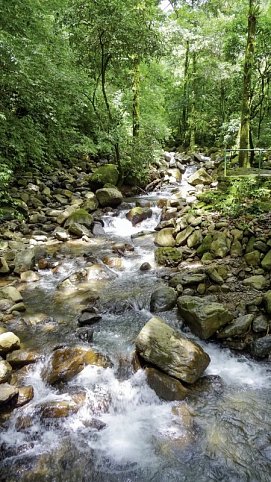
266 262
253 258
4 268
203 317
10 293
8 394
29 276
163 299
236 248
260 324
200 177
237 327
173 353
138 214
205 245
258 282
186 279
182 237
5 371
267 302
219 246
194 239
24 260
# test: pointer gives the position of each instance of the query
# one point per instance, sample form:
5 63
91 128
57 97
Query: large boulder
80 216
200 177
203 317
109 197
24 260
10 293
67 362
168 256
106 174
258 282
237 327
266 262
176 355
187 279
138 214
261 348
165 238
163 299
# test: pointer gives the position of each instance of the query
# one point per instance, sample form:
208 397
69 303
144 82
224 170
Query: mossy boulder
266 262
107 174
80 216
163 299
109 197
165 238
168 256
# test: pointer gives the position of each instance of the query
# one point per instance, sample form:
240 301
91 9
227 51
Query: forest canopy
121 79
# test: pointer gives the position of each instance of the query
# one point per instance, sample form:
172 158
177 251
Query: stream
123 432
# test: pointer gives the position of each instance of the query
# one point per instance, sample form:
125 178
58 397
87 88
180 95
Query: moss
104 175
168 256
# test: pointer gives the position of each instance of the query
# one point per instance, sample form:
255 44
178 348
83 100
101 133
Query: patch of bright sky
165 5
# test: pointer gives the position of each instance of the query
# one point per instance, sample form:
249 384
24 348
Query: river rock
87 318
91 202
5 371
187 279
173 353
200 177
194 240
29 276
145 266
163 299
165 238
182 236
8 394
203 317
261 348
138 214
168 256
62 408
61 234
165 387
106 174
4 268
236 249
78 230
26 394
24 260
258 282
11 293
266 262
67 362
20 358
267 302
219 246
260 324
80 216
237 327
8 342
214 275
109 197
205 245
253 258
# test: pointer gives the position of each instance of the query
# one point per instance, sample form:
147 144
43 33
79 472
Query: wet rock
85 334
258 282
165 238
20 358
8 394
200 177
26 394
97 229
24 260
18 307
203 317
266 262
163 299
88 318
168 256
11 293
168 350
145 267
62 408
67 362
113 262
61 234
8 342
187 279
138 214
260 324
5 371
261 348
109 197
237 327
29 276
165 387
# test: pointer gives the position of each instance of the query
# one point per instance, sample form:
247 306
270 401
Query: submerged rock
67 362
203 317
173 353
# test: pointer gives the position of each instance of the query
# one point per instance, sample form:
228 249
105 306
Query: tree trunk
184 123
244 158
192 116
135 89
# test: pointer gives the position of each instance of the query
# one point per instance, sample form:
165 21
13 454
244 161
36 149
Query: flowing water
123 432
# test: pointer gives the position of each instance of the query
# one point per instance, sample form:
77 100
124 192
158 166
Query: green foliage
244 196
